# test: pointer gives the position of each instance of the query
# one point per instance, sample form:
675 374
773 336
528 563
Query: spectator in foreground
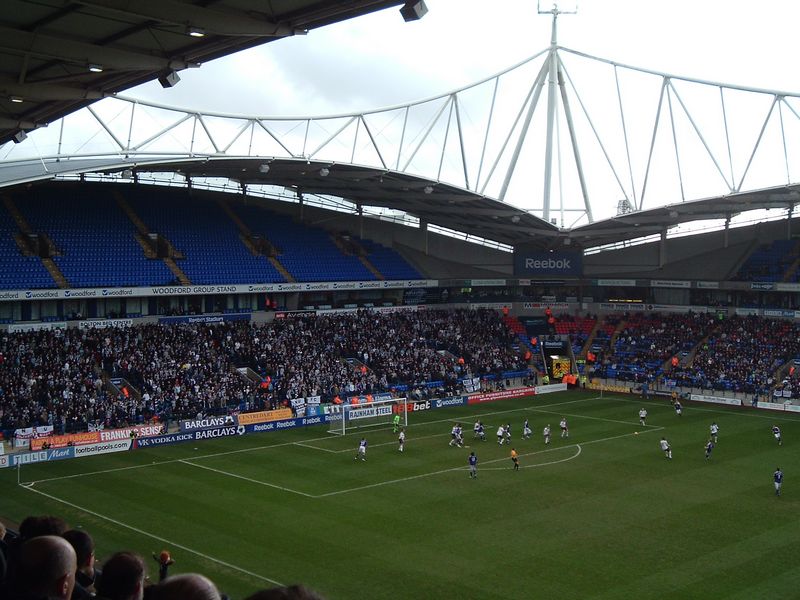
32 527
122 578
189 586
46 569
86 574
291 592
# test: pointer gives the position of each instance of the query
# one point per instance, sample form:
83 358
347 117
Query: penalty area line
464 468
153 536
552 462
248 479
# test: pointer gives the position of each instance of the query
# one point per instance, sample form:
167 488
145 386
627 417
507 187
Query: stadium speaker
169 79
413 10
20 137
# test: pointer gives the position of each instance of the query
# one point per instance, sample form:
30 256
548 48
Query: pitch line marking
463 468
155 537
282 444
248 479
553 462
552 412
304 445
695 408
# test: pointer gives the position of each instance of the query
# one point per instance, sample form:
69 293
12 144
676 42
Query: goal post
365 415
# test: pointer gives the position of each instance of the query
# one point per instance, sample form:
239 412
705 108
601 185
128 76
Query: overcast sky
380 60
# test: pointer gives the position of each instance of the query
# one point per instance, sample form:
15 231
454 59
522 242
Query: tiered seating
577 328
389 262
648 340
307 253
180 370
742 355
95 238
209 240
518 330
601 346
18 271
769 262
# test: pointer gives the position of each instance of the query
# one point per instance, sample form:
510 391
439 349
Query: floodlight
515 219
16 99
413 10
95 68
428 189
324 172
169 79
263 168
195 32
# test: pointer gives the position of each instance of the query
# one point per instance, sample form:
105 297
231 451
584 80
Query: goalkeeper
395 423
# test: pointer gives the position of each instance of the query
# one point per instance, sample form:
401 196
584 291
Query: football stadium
378 354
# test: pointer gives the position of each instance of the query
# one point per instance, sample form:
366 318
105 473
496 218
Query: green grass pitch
602 514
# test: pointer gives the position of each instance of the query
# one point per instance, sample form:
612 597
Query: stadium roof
433 202
58 56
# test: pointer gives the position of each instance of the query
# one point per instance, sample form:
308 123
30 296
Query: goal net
374 414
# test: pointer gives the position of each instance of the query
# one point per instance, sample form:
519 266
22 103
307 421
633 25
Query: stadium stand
577 328
307 253
771 262
648 341
178 371
19 271
742 354
389 262
95 242
208 240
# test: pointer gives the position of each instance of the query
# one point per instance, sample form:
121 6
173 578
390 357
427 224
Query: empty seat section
308 253
96 239
389 262
18 271
769 262
207 237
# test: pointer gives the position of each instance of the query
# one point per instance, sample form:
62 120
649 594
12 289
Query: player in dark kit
473 465
777 477
709 448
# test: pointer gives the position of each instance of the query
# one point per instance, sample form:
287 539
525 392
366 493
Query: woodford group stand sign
201 290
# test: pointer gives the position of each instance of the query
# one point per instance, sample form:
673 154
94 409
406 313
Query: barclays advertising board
528 263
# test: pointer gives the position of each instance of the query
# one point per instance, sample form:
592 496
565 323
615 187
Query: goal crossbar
347 417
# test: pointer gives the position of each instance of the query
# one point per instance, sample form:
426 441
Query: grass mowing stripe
411 477
694 407
248 479
463 468
300 443
553 462
153 536
552 412
316 447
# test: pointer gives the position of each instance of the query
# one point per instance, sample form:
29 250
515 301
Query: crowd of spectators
649 342
578 329
46 560
742 354
176 371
